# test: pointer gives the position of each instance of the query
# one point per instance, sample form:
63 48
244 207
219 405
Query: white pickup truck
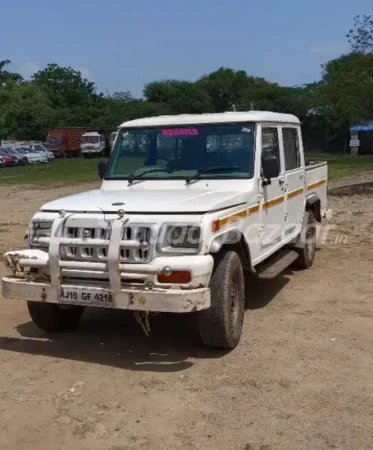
180 224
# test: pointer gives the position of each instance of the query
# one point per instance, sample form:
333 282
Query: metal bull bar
113 266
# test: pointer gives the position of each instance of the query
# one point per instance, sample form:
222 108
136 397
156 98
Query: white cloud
27 69
330 49
86 73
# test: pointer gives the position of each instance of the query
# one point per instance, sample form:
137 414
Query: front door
294 179
272 208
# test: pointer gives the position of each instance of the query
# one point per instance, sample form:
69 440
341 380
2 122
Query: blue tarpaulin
362 127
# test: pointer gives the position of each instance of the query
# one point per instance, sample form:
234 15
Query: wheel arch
313 204
233 239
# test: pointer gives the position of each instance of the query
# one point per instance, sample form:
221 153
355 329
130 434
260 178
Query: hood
149 201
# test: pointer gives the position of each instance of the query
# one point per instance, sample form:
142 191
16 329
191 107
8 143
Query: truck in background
92 144
65 141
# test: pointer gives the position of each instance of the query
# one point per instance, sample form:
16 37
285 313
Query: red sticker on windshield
180 132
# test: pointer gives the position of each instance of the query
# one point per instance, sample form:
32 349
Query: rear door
294 185
272 196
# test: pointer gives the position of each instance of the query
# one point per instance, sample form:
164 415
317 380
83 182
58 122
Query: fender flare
235 240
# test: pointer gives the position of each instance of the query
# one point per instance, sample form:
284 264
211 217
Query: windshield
53 142
90 139
20 150
38 148
183 152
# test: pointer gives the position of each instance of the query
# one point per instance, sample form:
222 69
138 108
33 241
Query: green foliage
7 77
227 87
345 94
360 36
65 86
28 114
59 96
180 96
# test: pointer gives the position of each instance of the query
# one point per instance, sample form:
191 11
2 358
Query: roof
362 127
91 133
194 119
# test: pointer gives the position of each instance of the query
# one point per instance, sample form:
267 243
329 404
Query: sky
123 44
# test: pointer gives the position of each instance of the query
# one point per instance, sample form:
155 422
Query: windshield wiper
210 169
132 177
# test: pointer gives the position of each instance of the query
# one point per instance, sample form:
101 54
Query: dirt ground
301 378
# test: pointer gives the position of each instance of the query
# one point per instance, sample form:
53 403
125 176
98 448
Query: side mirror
102 167
271 167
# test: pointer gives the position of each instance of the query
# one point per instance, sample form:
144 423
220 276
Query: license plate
89 298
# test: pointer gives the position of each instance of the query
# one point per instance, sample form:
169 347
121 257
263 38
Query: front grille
139 233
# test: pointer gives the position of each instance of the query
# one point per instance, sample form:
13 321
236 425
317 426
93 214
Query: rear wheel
309 237
221 326
51 317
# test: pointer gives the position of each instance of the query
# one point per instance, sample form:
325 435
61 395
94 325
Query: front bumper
49 277
110 283
156 299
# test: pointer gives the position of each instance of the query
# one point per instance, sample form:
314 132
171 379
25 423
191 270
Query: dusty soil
300 379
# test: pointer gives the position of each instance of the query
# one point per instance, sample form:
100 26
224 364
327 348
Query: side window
270 143
291 148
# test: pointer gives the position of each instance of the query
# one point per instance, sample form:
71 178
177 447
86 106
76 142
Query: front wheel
51 317
221 326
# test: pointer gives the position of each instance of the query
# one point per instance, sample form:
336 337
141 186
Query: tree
6 76
65 86
227 87
180 96
360 36
28 113
345 94
122 96
112 112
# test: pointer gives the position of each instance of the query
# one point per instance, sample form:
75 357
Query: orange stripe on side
220 223
315 185
253 209
293 194
273 202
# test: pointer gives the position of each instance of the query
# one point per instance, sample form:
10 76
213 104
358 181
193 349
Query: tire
307 252
220 326
51 317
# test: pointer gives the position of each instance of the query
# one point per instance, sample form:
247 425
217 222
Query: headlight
179 238
39 230
185 237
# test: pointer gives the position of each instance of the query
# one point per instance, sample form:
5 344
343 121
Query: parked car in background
42 150
10 160
21 159
32 157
